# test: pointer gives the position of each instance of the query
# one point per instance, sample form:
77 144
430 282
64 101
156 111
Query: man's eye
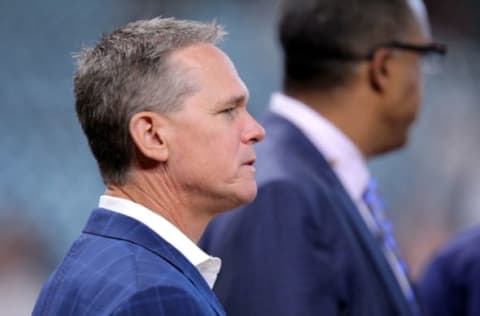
229 110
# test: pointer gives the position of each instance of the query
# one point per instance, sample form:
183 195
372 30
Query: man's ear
380 69
148 132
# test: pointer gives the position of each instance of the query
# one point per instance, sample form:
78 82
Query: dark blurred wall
460 17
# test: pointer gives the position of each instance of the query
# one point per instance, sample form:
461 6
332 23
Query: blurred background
49 180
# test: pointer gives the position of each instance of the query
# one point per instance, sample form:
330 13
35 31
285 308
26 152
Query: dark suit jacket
118 266
451 283
301 248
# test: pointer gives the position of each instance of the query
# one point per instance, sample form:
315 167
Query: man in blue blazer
164 112
450 284
316 241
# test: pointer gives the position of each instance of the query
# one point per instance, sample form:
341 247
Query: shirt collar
208 266
343 156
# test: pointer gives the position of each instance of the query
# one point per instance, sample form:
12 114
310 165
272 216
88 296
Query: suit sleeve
279 255
434 288
449 285
163 301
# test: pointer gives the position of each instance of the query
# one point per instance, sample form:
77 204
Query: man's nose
254 132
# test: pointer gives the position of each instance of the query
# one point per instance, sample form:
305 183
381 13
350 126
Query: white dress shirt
208 266
342 155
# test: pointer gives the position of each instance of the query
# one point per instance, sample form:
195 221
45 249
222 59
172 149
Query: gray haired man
164 112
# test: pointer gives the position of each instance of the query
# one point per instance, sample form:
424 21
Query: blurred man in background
164 112
450 285
316 240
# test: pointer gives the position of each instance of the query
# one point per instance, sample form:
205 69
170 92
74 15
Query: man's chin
246 195
392 146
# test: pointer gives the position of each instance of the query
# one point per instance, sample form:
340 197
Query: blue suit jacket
301 248
451 283
118 266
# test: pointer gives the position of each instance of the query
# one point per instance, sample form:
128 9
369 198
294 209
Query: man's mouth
250 162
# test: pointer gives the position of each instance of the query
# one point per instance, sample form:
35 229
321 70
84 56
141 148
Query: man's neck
348 111
161 199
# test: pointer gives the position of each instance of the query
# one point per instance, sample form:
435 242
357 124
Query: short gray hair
127 72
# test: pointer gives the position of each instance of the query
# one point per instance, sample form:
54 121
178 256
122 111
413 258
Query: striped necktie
384 235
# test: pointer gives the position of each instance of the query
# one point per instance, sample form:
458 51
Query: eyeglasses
431 60
433 48
432 55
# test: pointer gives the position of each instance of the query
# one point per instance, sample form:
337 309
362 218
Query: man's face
211 152
405 96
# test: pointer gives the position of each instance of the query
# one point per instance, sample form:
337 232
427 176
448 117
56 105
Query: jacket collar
113 225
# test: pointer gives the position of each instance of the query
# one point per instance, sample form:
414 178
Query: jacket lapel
117 226
370 246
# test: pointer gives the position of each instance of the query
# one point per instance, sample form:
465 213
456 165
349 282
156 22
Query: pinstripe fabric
118 266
